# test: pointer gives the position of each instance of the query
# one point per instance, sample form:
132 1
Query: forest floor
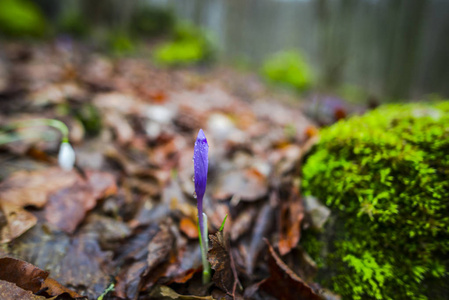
125 216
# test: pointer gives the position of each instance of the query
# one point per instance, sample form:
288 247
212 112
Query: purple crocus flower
200 164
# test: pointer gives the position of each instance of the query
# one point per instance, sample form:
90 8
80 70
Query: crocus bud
200 164
66 156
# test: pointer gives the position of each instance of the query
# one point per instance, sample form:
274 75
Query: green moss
188 46
313 245
21 18
385 175
288 68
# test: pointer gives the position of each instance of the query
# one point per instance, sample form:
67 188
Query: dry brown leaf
76 262
17 221
248 184
21 273
260 229
225 276
10 291
218 257
160 247
42 246
69 197
186 275
54 288
165 155
126 104
137 244
67 207
103 184
33 188
188 227
243 222
163 292
146 258
122 129
129 166
144 186
109 232
39 155
188 261
3 252
292 214
159 96
55 93
30 279
179 265
129 280
283 283
174 198
84 266
301 263
286 159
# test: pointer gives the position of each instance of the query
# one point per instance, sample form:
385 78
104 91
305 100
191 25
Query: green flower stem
33 123
204 249
47 122
109 289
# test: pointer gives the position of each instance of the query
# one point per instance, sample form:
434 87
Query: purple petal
200 164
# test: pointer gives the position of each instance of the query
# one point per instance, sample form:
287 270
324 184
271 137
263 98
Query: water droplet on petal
194 195
193 178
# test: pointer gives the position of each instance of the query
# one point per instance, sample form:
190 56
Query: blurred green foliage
353 93
385 175
189 45
149 21
21 18
90 117
74 24
288 68
120 43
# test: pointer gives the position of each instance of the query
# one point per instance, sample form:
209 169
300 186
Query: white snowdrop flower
66 156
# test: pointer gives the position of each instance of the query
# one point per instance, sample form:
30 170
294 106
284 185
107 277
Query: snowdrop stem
38 122
48 122
6 139
204 241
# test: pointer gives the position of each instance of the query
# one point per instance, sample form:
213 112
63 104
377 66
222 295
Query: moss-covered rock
385 175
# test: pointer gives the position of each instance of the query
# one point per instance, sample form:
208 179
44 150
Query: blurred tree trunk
51 8
114 14
433 72
335 18
403 45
